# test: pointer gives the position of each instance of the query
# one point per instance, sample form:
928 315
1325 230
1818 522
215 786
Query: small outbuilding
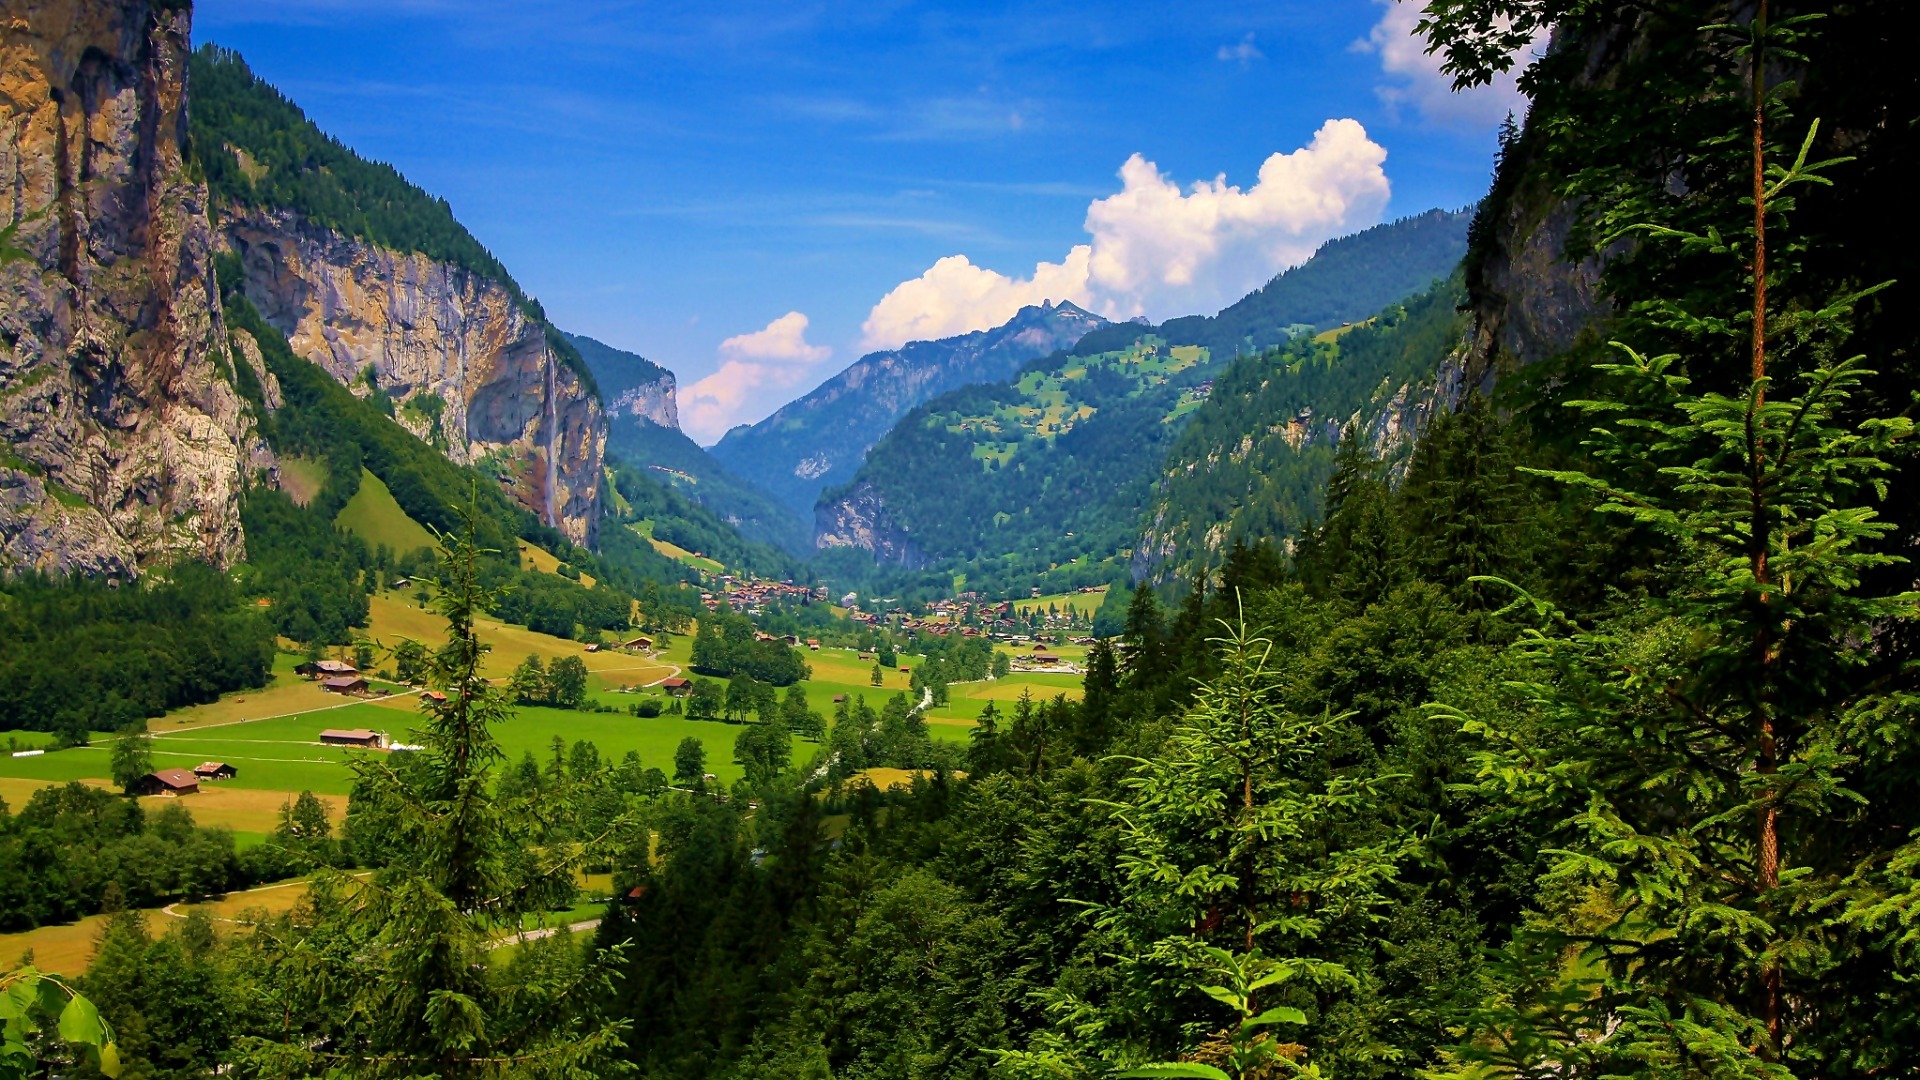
169 782
351 737
215 770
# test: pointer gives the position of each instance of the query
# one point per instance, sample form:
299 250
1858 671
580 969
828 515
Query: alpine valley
1487 650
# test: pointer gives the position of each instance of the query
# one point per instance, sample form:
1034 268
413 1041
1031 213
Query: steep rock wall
466 368
125 442
858 518
657 401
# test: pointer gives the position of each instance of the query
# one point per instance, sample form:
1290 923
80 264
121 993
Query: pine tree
386 977
1706 759
1241 858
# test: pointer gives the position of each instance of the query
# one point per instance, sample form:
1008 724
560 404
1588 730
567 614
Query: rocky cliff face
858 518
656 402
634 387
126 443
467 370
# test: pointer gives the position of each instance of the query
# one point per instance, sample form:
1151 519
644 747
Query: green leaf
1179 1068
1279 1014
110 1060
80 1022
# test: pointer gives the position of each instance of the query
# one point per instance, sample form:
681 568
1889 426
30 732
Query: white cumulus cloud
753 366
1415 79
1159 251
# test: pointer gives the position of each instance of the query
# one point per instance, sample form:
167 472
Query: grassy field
302 478
675 551
1083 604
373 516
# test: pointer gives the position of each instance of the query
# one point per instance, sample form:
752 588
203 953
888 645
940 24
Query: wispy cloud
768 361
1242 52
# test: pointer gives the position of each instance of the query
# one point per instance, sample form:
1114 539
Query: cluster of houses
636 645
752 595
171 782
334 676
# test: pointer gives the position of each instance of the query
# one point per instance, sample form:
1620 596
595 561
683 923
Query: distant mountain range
643 430
1050 476
819 440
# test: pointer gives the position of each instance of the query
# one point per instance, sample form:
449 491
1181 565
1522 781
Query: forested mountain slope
818 440
1347 279
1035 481
643 430
1254 459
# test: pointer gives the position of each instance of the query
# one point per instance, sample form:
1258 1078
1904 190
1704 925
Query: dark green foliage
727 645
82 655
168 999
290 164
72 849
314 576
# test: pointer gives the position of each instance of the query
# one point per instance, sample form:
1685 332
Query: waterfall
553 439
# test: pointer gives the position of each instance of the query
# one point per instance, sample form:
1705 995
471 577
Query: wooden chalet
168 782
351 737
344 684
215 770
326 669
677 686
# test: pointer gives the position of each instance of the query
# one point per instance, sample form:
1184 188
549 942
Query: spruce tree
1705 759
387 976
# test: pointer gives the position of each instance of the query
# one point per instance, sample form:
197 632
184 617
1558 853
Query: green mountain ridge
1036 481
1347 279
1252 464
817 440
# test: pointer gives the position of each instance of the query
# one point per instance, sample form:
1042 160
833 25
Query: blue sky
755 194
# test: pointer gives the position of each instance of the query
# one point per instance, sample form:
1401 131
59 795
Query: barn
351 737
215 770
676 686
169 782
318 669
344 684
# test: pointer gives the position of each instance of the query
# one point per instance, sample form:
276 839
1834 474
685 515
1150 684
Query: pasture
1081 604
374 516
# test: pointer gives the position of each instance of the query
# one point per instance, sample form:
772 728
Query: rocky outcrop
467 369
126 443
656 402
858 518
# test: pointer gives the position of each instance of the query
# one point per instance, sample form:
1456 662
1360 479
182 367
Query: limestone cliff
126 443
858 518
467 369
